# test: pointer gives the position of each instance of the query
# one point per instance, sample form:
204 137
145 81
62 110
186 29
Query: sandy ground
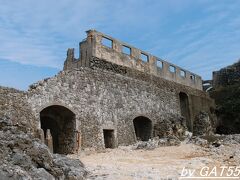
124 163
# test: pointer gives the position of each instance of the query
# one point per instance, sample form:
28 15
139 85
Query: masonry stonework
107 98
112 98
93 46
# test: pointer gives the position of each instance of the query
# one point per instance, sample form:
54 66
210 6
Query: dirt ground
170 162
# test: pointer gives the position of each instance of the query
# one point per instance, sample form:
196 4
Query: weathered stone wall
114 52
227 76
22 155
109 96
227 108
226 92
14 107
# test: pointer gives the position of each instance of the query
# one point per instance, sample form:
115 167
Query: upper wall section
105 47
227 76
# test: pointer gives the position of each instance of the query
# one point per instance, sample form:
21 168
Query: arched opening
143 128
185 112
61 123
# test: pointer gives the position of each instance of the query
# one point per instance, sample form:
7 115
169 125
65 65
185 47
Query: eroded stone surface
22 154
101 99
226 92
202 124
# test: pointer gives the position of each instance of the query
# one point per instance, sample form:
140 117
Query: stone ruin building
112 95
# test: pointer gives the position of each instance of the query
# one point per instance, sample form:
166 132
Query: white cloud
208 43
39 32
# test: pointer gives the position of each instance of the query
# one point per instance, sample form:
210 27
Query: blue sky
199 35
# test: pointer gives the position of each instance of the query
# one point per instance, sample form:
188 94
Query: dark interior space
108 138
61 122
184 105
143 128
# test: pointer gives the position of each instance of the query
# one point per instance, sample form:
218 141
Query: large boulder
171 125
202 124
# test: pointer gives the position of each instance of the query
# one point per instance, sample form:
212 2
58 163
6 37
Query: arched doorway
185 112
61 122
143 128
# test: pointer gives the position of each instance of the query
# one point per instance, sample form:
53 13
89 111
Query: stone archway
62 124
143 128
185 112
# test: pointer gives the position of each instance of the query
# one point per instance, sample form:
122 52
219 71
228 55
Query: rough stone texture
72 168
14 109
227 109
202 124
227 97
174 125
157 142
109 96
227 76
22 155
214 140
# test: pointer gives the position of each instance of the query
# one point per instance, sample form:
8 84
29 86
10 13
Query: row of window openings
127 50
172 69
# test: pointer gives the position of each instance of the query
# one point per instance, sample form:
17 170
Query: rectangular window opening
107 42
182 73
159 63
192 77
144 57
172 69
126 50
108 135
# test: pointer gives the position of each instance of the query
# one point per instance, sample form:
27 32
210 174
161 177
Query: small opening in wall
182 73
192 77
126 50
108 138
107 42
172 69
144 57
159 63
143 128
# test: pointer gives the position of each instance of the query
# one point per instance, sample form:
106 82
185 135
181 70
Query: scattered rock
148 145
217 143
156 142
188 135
171 125
22 155
199 141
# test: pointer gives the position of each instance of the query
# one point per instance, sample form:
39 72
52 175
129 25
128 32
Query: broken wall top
109 49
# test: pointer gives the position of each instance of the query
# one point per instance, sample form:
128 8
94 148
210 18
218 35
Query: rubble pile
202 124
169 126
22 155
